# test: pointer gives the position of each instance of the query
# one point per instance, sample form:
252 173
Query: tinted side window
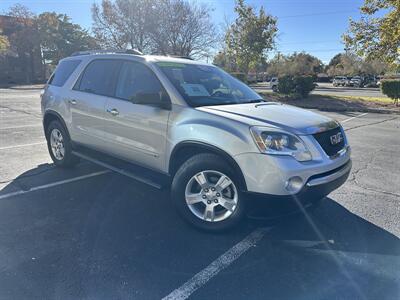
136 80
63 71
99 77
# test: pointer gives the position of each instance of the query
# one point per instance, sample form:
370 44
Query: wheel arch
184 150
50 116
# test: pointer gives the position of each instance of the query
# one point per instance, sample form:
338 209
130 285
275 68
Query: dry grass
336 103
360 98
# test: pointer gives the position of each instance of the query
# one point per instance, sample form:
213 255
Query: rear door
87 104
136 132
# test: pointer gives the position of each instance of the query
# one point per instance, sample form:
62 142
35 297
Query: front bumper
317 187
268 174
270 206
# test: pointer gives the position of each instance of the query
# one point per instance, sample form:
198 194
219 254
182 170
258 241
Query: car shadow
111 237
326 253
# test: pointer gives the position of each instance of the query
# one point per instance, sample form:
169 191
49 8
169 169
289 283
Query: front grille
324 139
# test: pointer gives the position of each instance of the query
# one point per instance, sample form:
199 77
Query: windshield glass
202 85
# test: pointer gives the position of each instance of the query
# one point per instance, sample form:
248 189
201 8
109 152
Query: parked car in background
191 125
261 76
251 78
340 81
356 81
273 84
371 81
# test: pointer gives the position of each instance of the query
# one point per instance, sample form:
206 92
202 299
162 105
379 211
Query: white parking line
45 186
23 145
216 266
358 116
21 126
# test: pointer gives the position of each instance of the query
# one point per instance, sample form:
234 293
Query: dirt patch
333 103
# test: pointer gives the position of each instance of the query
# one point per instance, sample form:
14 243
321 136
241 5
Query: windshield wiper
256 101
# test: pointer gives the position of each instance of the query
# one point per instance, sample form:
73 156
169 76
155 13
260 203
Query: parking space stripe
216 266
21 126
349 119
23 145
45 186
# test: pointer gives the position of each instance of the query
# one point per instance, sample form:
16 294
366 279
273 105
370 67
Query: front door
136 132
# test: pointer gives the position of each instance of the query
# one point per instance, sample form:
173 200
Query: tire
215 208
62 156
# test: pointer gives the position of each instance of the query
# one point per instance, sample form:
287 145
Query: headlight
271 141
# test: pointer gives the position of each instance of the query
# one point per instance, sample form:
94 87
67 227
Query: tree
349 64
59 37
295 64
376 37
182 28
175 27
23 36
344 64
4 43
375 66
123 23
221 60
251 36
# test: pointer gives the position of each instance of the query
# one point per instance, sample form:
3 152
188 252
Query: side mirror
161 99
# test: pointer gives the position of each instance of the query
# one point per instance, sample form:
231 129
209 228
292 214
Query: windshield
202 85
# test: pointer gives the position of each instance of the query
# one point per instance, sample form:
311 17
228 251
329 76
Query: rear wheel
59 145
206 194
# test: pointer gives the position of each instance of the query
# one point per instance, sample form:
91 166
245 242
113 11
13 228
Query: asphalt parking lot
326 88
88 233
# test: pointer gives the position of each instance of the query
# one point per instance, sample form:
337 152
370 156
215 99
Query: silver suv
190 125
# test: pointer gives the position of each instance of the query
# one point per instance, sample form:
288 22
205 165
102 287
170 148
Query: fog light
294 184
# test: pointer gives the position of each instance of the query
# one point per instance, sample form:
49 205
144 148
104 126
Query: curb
363 110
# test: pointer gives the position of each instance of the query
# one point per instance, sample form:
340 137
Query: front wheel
205 192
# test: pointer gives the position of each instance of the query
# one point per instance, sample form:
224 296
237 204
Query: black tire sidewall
69 159
192 166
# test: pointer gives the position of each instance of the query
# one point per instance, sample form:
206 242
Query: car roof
148 58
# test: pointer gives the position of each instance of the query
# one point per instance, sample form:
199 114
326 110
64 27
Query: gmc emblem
336 138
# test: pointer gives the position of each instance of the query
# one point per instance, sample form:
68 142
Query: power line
311 50
317 14
307 42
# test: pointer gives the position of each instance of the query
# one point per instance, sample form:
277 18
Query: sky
314 26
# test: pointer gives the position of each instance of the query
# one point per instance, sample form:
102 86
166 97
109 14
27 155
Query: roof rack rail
107 51
181 56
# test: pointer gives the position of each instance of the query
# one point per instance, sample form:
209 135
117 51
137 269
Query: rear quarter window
63 71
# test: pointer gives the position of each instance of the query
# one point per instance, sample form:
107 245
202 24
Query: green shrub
286 85
298 85
241 76
391 88
304 85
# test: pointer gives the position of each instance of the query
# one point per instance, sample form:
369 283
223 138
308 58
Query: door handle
113 111
72 101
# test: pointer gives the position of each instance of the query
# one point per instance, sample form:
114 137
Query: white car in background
273 84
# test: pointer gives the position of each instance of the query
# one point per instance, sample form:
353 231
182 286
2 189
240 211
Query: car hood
271 114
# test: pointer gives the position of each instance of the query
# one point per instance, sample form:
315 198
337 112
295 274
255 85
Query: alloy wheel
211 196
57 144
